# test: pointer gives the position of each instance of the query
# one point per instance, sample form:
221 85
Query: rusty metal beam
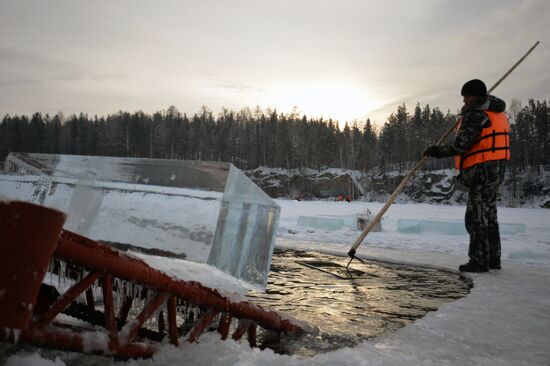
54 337
109 305
172 325
225 323
93 255
68 297
125 308
203 323
131 328
242 328
251 334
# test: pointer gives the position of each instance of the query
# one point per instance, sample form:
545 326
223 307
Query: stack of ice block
328 222
323 223
454 227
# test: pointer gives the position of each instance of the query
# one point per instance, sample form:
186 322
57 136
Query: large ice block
511 228
245 233
349 221
332 222
449 227
160 207
321 222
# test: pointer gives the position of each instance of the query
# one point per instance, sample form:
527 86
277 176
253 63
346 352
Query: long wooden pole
418 165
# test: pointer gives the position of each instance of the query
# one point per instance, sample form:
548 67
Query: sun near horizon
340 100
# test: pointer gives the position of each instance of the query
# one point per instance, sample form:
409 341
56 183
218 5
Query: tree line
252 138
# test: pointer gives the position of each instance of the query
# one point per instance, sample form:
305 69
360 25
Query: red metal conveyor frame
31 236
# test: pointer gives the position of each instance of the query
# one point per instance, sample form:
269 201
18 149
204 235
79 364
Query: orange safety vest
493 143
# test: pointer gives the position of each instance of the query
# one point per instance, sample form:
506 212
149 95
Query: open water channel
375 298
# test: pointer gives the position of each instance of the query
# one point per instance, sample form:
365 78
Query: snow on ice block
321 222
451 227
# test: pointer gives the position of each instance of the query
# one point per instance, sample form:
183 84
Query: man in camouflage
482 179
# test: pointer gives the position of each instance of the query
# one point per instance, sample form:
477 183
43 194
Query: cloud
26 67
241 87
16 81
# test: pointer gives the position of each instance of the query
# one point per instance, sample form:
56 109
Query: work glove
436 151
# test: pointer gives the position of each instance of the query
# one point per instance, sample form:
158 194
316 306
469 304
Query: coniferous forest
252 138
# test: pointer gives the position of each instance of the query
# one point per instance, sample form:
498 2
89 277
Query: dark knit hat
475 88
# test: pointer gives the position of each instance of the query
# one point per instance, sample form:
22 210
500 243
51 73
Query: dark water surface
378 298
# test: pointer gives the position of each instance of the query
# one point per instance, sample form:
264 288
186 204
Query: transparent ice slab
245 233
159 207
450 227
321 222
349 221
328 222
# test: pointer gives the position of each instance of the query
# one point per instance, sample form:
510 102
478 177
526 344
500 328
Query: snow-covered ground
505 320
531 246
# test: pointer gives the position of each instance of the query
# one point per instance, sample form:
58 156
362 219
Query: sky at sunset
337 59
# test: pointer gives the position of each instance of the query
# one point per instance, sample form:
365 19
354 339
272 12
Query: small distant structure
364 218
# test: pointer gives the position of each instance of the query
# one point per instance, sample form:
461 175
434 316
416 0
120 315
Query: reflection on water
380 298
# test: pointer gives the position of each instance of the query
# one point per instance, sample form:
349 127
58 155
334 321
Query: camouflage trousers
481 211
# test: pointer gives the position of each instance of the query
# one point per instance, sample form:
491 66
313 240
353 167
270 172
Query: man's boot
494 264
473 267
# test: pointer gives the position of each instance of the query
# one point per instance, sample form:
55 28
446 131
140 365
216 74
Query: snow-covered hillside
526 188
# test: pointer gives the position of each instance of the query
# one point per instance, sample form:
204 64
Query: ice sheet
334 222
449 227
319 222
